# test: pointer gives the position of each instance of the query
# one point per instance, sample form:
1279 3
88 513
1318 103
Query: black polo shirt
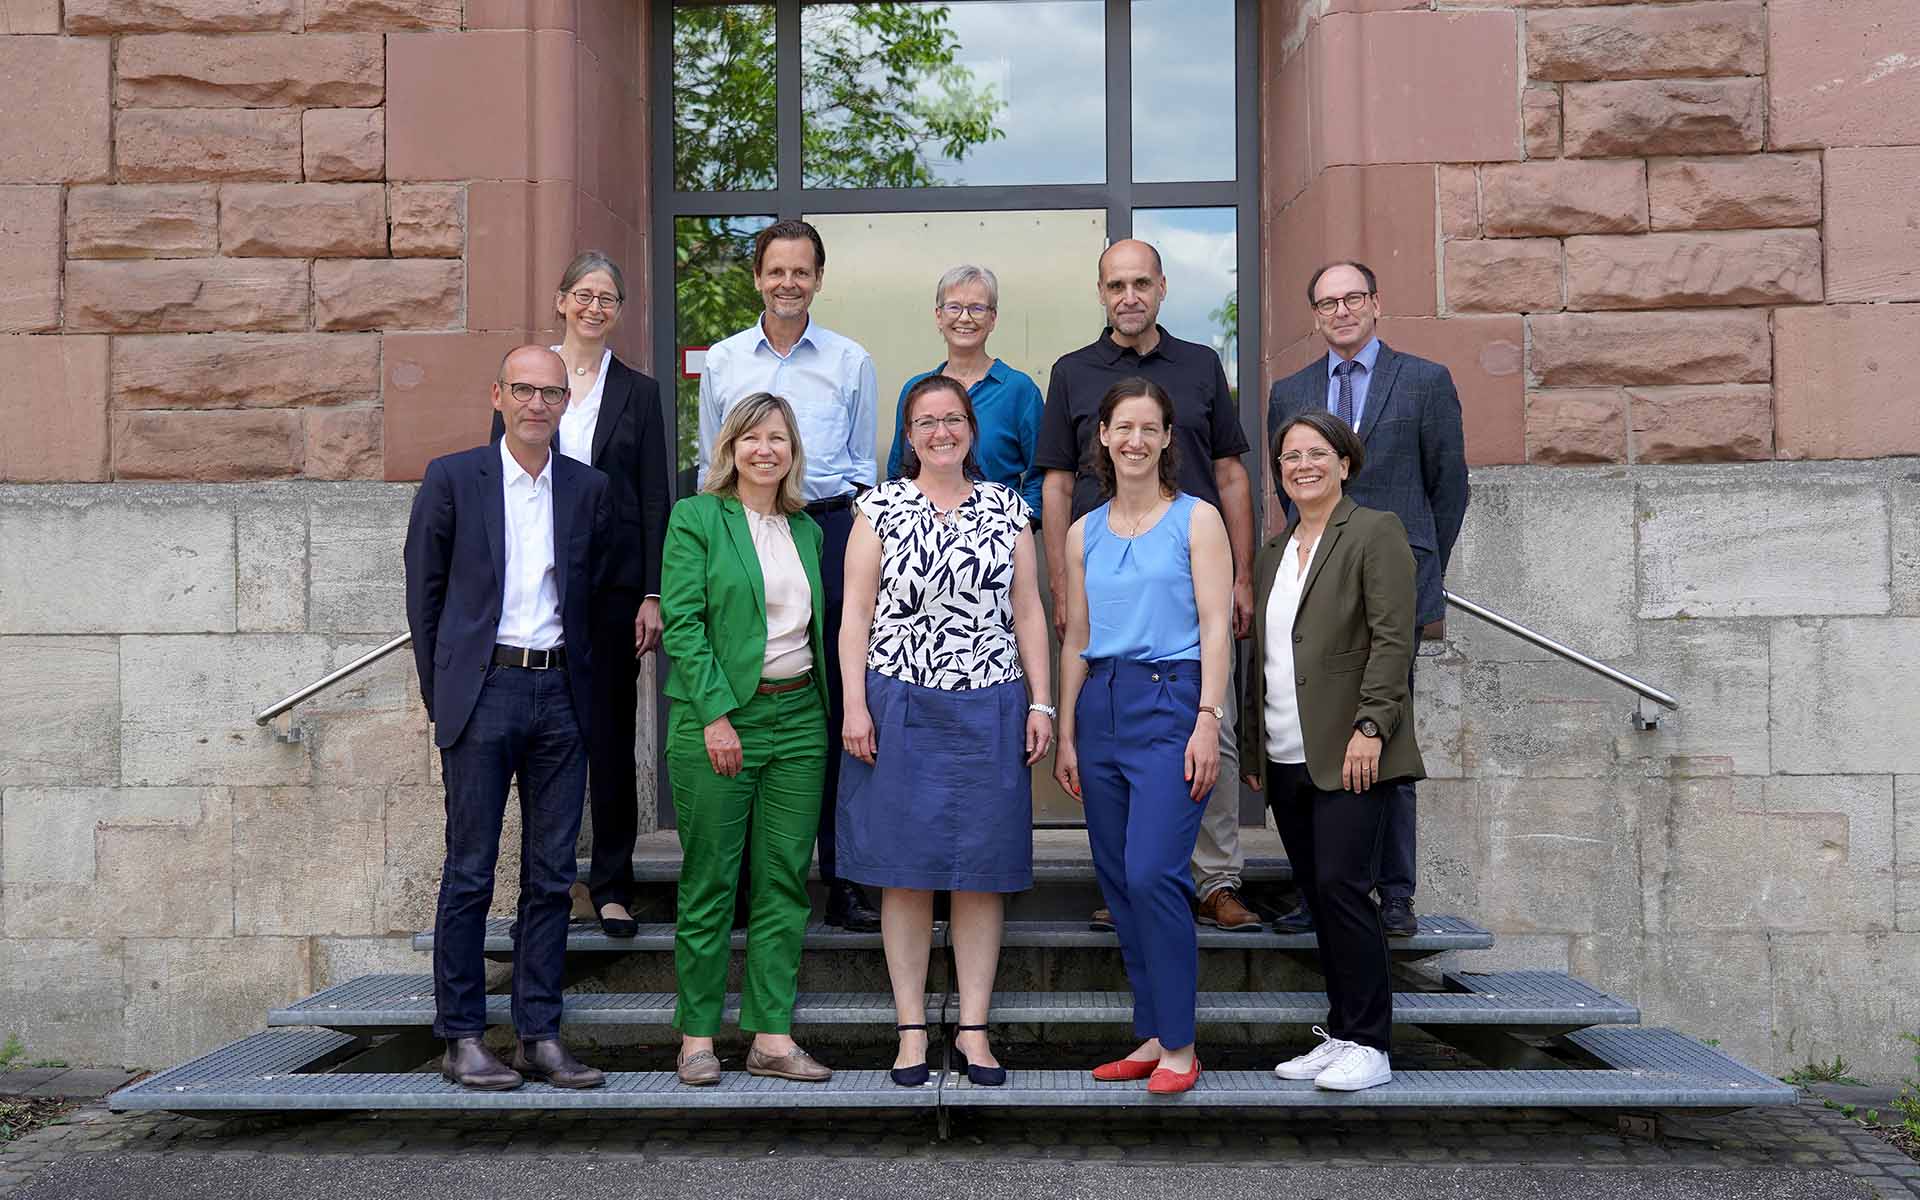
1205 425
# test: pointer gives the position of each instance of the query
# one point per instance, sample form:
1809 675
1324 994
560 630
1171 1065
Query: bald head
530 393
1132 246
1132 288
530 358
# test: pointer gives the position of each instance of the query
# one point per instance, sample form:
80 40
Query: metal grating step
586 937
274 1054
1437 935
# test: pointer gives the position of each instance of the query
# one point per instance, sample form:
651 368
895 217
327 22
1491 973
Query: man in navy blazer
504 546
1407 414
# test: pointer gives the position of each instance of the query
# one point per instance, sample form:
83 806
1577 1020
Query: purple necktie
1345 372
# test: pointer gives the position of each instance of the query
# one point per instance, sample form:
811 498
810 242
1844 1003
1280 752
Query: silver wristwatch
1048 709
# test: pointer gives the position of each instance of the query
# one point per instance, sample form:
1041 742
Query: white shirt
1285 742
789 597
582 416
530 594
830 382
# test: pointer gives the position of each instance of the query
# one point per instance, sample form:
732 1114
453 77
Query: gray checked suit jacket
1416 465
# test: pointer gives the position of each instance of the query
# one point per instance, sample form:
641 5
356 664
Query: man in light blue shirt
1359 375
829 381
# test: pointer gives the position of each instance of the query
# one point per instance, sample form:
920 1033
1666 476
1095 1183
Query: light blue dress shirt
830 382
1362 379
1006 406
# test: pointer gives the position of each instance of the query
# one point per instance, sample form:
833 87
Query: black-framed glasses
1331 305
590 299
957 310
526 393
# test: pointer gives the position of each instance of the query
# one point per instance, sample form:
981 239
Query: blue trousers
523 727
1131 726
1398 867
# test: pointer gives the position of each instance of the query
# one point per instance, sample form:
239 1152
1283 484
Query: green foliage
11 1051
1907 1103
1836 1071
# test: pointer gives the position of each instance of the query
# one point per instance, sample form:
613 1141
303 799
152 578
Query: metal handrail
328 680
1567 652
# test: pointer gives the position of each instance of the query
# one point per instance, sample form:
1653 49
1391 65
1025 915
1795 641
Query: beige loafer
796 1065
699 1069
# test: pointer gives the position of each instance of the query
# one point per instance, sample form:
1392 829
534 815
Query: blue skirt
948 803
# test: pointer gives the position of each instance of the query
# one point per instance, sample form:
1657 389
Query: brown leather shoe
1222 908
699 1069
796 1064
470 1064
1101 921
548 1061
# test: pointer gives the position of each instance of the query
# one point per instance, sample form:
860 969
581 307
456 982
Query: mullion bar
1249 278
1119 119
788 125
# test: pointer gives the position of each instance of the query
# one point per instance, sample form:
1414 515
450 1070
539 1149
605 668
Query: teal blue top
1140 603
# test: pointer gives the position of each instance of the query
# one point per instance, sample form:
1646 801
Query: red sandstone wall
1665 232
290 238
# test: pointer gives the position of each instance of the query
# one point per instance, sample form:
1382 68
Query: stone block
1453 843
1648 43
1693 270
428 220
383 15
115 561
182 16
1555 198
1545 720
1718 671
343 443
242 370
1842 74
1392 59
249 70
359 581
412 293
1843 387
1664 116
481 105
341 836
55 83
229 678
373 748
1753 191
1436 711
1540 121
188 996
120 862
142 221
186 296
1572 426
339 959
60 710
1729 423
1864 1000
388 685
30 16
1503 275
434 398
1711 985
270 542
1904 508
1561 857
214 446
1657 349
1553 550
342 144
522 237
1864 727
1906 851
1873 224
303 220
53 402
190 144
1484 355
1824 550
1459 202
63 999
29 259
417 850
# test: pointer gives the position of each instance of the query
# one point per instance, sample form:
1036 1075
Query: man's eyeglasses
952 422
590 299
526 393
1331 305
956 310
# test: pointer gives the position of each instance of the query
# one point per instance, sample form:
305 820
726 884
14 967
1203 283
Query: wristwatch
1219 713
1368 727
1048 709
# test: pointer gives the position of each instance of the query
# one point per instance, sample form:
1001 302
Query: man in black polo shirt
1207 431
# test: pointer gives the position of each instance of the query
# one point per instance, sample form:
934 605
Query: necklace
1142 518
579 370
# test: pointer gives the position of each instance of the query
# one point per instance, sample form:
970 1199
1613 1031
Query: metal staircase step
1437 934
586 937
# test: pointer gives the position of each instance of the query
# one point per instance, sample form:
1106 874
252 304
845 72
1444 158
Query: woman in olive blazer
1329 725
741 601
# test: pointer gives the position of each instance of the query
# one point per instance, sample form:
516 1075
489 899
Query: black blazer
630 448
456 556
1416 464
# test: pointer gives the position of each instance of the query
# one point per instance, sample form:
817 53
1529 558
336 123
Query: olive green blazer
1352 646
713 605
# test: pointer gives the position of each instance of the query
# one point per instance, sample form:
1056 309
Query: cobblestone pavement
1805 1151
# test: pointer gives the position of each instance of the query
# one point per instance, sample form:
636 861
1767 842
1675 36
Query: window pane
1183 110
1199 250
713 297
923 95
725 137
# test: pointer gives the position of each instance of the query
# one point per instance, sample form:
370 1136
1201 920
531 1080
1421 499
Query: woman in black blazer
613 422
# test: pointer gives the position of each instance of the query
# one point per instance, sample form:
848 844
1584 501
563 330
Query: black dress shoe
619 927
548 1061
979 1076
1396 914
1300 920
470 1064
848 907
915 1075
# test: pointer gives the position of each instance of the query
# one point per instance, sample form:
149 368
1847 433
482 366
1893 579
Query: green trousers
769 811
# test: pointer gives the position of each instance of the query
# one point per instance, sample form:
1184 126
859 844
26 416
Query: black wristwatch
1368 727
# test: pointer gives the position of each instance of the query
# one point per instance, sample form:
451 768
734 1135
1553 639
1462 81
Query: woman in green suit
741 600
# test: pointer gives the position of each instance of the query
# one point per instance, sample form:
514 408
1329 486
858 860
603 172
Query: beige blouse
789 597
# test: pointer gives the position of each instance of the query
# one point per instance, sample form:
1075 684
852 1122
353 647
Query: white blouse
789 597
1285 742
582 416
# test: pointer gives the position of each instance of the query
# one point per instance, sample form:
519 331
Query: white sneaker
1361 1067
1315 1060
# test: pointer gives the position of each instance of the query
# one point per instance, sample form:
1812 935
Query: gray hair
586 263
967 274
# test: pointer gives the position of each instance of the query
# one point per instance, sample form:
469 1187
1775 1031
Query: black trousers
611 788
1333 841
837 525
1399 863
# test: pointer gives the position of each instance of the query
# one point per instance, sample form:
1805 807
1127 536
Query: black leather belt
532 660
832 504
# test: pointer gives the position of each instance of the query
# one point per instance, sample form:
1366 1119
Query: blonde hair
723 477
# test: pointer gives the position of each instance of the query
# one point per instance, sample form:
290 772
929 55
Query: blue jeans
523 727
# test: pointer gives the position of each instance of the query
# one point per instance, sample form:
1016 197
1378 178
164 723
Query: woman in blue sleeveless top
1143 675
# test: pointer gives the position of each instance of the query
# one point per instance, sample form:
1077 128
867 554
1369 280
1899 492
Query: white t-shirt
1285 742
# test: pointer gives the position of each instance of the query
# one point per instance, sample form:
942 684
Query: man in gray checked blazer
1407 414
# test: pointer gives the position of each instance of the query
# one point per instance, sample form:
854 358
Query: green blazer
1352 646
713 604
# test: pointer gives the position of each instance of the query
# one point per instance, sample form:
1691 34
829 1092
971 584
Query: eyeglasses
952 422
956 310
1319 456
526 393
590 299
1331 305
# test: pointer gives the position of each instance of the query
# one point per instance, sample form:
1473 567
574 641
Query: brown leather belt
777 686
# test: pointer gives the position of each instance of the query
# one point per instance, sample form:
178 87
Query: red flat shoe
1168 1083
1124 1070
